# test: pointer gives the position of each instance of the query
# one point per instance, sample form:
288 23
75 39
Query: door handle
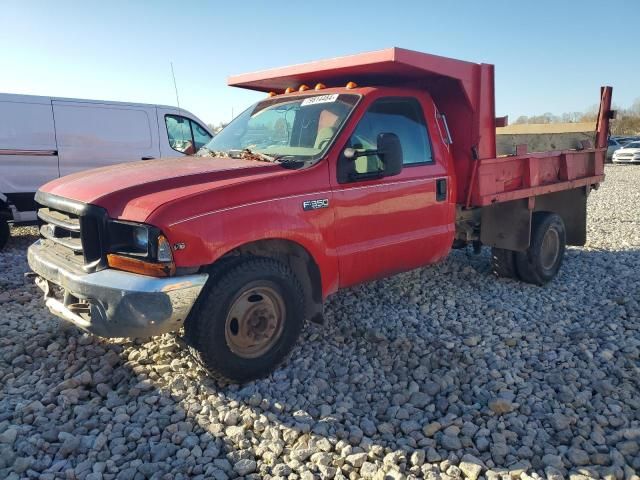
147 158
441 189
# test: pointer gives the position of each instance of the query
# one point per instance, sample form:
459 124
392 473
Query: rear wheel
540 263
4 232
503 263
249 320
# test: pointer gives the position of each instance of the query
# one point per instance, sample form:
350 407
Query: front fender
203 239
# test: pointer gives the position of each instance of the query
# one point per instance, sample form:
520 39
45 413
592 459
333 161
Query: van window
200 135
185 135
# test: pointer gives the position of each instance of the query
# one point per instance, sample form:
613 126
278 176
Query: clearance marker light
351 85
290 90
271 94
302 88
319 86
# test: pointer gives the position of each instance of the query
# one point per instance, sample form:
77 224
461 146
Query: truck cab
349 170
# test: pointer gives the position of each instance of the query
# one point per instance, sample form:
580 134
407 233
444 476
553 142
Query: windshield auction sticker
319 99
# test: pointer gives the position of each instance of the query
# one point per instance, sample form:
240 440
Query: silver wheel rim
550 249
255 322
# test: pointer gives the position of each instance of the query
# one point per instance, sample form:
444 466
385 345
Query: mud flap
506 225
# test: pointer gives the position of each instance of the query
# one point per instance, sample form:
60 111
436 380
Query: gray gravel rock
577 456
471 466
245 466
450 442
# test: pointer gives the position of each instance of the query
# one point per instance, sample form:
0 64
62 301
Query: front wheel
248 321
540 263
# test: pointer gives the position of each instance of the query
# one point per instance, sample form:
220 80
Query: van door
94 134
180 132
28 150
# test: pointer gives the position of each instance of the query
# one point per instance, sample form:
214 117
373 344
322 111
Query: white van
42 138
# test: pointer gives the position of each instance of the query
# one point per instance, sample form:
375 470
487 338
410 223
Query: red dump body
464 93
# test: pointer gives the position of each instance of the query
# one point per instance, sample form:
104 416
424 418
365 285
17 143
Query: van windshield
284 128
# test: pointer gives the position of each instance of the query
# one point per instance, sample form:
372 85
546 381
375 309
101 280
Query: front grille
75 232
62 228
624 155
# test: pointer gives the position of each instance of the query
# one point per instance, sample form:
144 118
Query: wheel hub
550 248
254 322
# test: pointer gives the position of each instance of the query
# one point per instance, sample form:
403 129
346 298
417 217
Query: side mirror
390 150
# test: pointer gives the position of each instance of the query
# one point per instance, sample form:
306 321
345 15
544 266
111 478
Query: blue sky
549 55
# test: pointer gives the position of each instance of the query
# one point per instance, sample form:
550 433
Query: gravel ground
442 372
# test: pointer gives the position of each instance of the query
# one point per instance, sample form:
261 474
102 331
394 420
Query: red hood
134 190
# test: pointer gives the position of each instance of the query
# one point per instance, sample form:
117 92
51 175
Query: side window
179 134
402 116
200 135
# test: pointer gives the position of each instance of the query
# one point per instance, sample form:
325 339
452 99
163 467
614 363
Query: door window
185 135
200 136
402 116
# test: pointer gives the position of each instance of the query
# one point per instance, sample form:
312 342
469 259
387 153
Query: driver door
386 225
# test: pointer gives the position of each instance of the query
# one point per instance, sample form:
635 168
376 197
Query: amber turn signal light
135 265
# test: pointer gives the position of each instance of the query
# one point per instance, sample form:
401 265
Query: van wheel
503 263
540 263
248 321
4 232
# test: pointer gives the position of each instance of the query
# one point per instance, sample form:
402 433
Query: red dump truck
350 169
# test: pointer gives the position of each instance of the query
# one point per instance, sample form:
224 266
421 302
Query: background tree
627 121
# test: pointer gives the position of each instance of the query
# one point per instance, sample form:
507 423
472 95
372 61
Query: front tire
540 263
249 320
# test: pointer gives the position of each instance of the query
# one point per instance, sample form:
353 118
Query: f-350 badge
315 204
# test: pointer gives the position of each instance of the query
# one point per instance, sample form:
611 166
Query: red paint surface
372 228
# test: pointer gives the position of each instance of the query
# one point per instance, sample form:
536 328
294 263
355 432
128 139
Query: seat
324 137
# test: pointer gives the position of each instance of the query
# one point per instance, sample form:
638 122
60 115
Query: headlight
141 239
139 248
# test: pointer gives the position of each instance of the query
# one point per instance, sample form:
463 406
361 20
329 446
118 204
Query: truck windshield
284 129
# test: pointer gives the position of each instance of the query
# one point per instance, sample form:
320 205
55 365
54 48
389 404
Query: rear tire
4 232
540 263
249 320
503 263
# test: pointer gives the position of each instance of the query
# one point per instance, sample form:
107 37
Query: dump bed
464 93
525 174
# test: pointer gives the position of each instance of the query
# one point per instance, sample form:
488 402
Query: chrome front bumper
113 303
